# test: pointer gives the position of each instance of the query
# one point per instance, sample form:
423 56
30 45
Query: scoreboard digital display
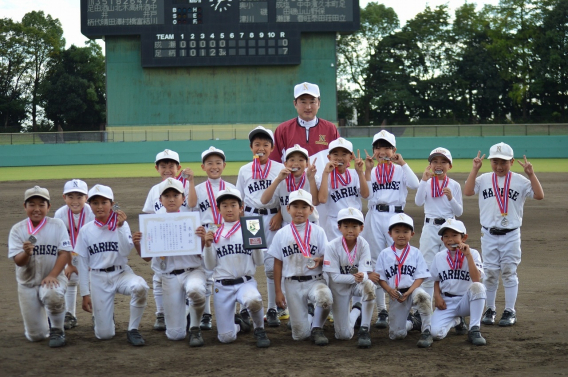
178 33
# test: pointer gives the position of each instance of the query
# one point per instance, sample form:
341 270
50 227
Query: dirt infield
536 345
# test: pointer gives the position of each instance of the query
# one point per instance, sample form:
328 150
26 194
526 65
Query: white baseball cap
502 151
297 148
385 135
171 183
300 195
212 150
228 192
454 224
36 191
440 152
341 143
401 218
259 130
306 88
350 213
167 155
101 190
75 185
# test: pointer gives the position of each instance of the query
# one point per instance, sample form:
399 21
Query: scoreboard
181 33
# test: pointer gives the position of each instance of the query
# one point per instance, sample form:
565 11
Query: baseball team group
325 260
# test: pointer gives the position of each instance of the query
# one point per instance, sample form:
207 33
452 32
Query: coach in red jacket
307 129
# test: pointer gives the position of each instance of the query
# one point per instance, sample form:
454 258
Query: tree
73 91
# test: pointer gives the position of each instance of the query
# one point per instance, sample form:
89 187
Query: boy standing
402 269
74 215
40 248
502 195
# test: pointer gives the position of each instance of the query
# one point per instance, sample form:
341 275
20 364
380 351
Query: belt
180 271
386 208
234 281
451 295
437 221
262 211
110 269
304 278
499 231
403 290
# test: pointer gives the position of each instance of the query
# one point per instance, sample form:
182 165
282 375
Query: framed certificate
253 232
169 234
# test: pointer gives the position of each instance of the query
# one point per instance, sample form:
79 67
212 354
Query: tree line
43 85
501 64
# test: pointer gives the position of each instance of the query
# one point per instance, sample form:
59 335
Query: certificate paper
169 234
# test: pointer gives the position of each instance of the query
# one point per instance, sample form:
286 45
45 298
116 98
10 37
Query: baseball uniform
339 197
283 195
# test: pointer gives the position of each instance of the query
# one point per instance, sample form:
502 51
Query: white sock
207 308
475 312
320 315
367 313
381 303
257 318
271 293
56 320
409 325
511 297
491 295
195 316
159 303
355 313
71 299
135 317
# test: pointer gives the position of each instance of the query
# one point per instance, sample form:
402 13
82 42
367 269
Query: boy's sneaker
246 317
425 340
364 340
461 328
245 327
474 336
382 320
134 338
508 319
489 317
160 324
262 340
56 338
195 339
205 322
311 309
187 322
416 320
318 337
357 325
283 313
272 318
70 321
330 317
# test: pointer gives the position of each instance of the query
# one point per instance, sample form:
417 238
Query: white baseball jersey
283 196
414 267
343 196
229 259
439 207
203 202
62 214
395 192
336 260
285 248
490 215
100 248
153 204
252 189
51 238
454 281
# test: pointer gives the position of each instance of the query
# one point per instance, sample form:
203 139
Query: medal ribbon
257 172
217 218
181 179
337 179
436 188
74 230
400 262
502 200
457 263
112 221
33 230
304 246
232 231
384 172
349 257
291 182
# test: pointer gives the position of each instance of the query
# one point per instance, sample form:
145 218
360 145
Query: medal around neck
115 207
353 270
438 172
311 263
32 239
163 264
504 222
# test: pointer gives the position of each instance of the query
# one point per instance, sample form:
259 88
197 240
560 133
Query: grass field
33 173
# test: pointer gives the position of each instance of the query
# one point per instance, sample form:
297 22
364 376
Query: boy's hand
283 174
318 261
69 270
428 173
87 304
397 159
439 302
275 222
374 277
369 163
527 166
359 163
188 174
393 293
404 296
478 161
121 217
446 191
359 277
329 167
280 300
137 238
464 248
50 282
28 248
311 171
208 239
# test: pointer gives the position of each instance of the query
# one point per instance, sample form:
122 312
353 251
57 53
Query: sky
68 12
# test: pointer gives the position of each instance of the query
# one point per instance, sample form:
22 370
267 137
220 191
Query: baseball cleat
160 324
272 318
425 340
195 339
382 320
330 317
364 340
246 317
357 325
416 321
205 322
289 325
489 317
283 313
318 337
245 327
461 328
474 336
262 340
70 321
508 319
311 309
134 338
56 338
